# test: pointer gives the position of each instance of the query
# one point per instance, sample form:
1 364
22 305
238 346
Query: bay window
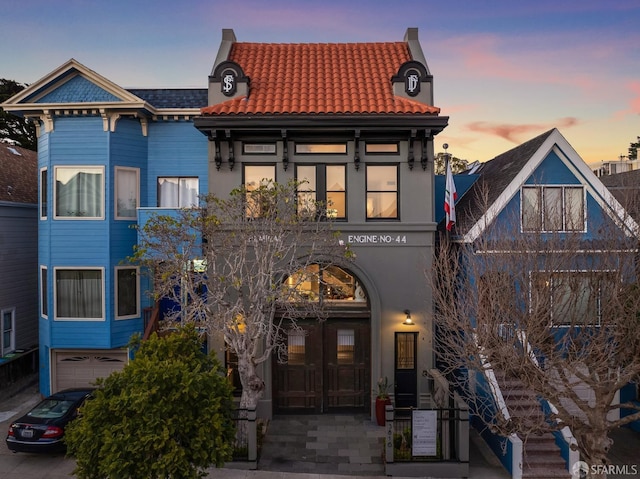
79 192
127 193
127 304
79 293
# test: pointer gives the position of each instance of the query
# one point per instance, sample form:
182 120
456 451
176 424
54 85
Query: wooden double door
327 368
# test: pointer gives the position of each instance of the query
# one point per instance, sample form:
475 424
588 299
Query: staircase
541 455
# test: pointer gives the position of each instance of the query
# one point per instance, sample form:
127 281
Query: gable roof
73 86
495 176
303 79
18 174
502 177
36 94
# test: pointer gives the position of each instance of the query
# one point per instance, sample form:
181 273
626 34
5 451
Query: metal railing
439 439
245 448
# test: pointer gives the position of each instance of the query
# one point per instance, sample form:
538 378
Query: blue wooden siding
175 149
78 90
128 148
552 171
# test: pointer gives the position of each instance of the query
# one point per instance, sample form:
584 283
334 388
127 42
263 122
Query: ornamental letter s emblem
229 84
412 84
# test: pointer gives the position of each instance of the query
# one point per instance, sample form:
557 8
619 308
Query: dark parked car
42 428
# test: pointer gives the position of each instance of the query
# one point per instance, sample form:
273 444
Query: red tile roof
333 78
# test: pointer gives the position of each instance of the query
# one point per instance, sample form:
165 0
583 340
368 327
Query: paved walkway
326 444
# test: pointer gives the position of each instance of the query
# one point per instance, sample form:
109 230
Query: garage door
74 369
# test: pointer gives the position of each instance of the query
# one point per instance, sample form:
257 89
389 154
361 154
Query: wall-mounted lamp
408 321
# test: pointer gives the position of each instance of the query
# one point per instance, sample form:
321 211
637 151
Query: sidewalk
483 464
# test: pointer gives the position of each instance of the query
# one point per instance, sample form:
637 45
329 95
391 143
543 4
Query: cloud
634 87
556 60
518 133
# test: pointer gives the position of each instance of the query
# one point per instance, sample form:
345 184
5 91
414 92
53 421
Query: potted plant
382 399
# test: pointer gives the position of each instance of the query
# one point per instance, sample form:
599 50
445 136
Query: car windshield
50 409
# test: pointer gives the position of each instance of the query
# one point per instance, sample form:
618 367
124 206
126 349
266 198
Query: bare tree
239 266
558 312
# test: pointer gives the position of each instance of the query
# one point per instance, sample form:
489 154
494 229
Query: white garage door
76 369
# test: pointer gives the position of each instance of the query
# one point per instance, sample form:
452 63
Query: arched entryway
328 365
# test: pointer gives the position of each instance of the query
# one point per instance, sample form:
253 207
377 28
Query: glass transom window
327 284
321 148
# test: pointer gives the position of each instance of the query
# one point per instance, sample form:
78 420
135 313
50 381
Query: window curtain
188 192
177 192
79 293
81 196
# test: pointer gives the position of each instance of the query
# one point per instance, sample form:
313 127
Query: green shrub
168 414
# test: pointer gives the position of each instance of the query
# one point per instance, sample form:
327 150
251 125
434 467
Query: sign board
424 427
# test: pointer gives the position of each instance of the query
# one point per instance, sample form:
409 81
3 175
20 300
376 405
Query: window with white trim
127 287
79 192
79 294
553 208
44 289
8 338
44 190
178 192
127 193
573 298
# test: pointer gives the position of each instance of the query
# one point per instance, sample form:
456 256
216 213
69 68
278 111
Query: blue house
103 154
537 226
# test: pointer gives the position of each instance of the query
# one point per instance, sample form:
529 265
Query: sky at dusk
504 70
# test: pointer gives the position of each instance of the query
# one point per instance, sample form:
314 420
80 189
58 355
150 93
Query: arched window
327 284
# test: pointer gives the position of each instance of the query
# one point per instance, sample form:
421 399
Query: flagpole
446 169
